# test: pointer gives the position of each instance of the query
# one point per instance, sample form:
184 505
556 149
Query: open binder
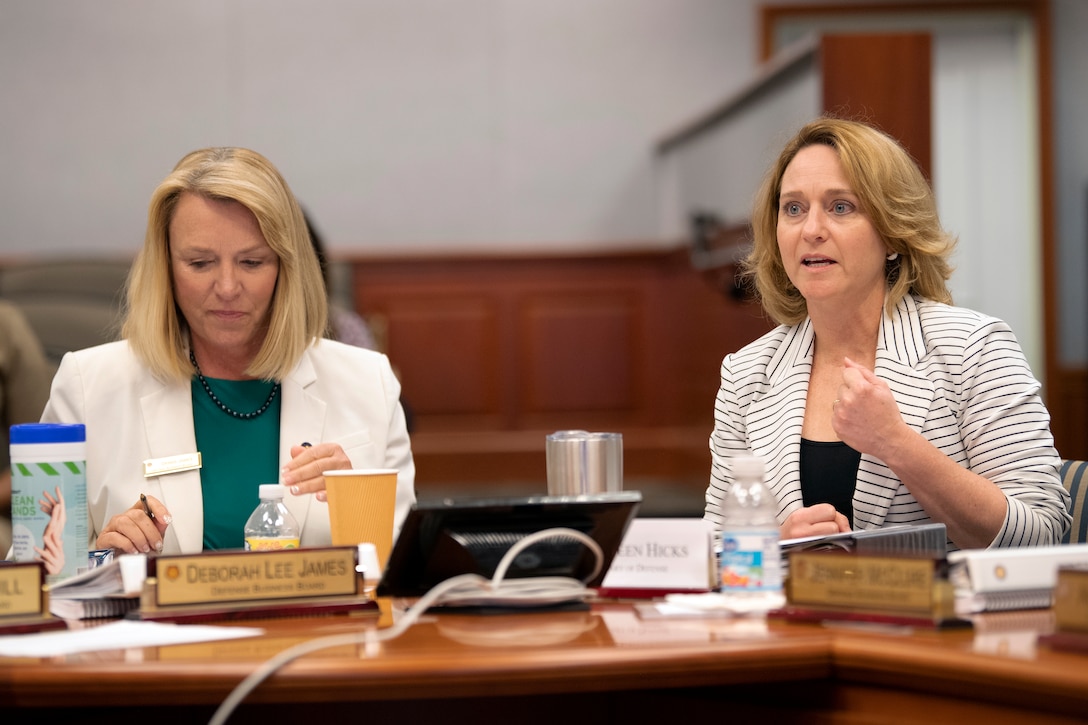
988 580
928 540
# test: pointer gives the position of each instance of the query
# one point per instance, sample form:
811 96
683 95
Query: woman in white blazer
875 401
222 380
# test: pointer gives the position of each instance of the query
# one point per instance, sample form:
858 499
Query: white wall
403 125
985 174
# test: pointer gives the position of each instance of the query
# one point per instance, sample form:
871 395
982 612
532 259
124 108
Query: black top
829 470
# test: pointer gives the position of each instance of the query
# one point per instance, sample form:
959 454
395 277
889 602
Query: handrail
782 64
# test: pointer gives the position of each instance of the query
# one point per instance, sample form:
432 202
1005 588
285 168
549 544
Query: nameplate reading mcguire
889 583
255 576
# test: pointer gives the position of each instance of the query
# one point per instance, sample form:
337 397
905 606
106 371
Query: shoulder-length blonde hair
153 324
894 195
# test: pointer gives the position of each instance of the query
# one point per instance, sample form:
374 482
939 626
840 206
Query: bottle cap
748 467
368 563
48 433
270 490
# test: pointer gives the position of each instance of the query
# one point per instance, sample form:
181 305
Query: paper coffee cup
362 505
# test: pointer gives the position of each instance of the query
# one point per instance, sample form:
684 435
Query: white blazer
959 378
337 393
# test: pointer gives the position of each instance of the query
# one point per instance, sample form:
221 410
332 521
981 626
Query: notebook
988 580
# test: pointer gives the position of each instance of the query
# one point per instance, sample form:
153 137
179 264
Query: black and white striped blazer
959 378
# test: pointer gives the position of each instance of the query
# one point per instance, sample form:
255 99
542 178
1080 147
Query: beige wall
404 125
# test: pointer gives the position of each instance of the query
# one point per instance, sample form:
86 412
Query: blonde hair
153 324
894 195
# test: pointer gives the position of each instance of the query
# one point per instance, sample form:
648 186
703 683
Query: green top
237 455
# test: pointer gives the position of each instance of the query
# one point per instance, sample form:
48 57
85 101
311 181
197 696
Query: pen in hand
147 509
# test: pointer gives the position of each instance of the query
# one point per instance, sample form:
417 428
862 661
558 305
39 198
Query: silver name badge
171 464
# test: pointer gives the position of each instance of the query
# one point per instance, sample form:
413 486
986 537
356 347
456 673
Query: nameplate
855 581
21 589
662 555
171 464
221 577
1071 599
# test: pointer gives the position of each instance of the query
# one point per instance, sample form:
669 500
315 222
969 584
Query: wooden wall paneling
494 353
673 322
886 80
581 356
446 348
1068 405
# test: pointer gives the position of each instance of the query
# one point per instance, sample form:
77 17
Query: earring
892 256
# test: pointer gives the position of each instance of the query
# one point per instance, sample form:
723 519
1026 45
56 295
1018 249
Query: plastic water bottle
751 561
271 525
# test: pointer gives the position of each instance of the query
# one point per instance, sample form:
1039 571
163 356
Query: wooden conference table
598 666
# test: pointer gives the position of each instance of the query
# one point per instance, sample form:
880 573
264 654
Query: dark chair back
1074 476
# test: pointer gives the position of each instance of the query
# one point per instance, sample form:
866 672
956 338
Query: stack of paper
111 590
116 635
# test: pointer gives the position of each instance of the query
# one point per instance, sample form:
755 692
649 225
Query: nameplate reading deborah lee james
218 577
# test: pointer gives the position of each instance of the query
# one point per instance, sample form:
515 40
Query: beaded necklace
223 406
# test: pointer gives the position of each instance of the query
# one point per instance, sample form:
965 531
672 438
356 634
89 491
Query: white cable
462 590
529 591
558 532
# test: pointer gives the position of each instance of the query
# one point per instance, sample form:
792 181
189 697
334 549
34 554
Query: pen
147 509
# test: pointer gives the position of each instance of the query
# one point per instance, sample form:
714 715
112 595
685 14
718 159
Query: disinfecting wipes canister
49 496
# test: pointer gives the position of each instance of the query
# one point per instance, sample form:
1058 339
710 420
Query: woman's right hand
133 531
819 520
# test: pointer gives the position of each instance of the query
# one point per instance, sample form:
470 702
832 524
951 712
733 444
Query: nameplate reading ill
21 590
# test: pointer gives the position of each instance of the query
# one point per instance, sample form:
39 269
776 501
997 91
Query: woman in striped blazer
875 401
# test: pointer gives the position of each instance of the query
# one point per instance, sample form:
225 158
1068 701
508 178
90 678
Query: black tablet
442 539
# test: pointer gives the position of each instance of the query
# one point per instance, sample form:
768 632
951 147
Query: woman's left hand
305 472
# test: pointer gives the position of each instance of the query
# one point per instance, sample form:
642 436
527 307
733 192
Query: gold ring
833 404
